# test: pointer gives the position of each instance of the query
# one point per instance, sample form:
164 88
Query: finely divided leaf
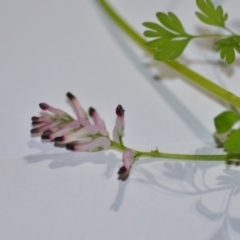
170 38
171 22
211 15
225 121
232 144
227 47
171 50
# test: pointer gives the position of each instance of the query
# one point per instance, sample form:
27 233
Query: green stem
153 154
210 36
178 67
229 30
157 154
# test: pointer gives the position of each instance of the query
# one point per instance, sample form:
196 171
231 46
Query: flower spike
80 135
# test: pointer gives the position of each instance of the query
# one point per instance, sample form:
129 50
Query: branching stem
157 154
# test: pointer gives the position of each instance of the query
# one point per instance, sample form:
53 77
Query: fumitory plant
168 40
81 135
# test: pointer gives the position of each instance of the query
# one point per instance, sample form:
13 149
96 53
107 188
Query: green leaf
232 144
170 38
211 15
227 47
171 22
157 28
171 50
225 121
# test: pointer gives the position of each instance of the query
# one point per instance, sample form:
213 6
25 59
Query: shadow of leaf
184 172
235 223
231 179
222 232
202 209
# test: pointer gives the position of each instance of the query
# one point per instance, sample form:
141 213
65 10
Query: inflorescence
80 134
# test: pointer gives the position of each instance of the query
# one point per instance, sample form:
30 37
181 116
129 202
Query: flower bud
128 160
119 126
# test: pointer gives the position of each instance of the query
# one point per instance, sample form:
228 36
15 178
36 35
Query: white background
51 47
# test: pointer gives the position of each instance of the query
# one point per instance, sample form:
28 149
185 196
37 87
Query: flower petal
47 126
83 135
98 121
65 129
128 160
46 107
81 114
119 126
97 144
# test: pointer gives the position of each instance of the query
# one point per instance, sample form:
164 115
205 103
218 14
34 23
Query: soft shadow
122 186
236 24
207 44
174 102
225 68
44 148
193 173
72 159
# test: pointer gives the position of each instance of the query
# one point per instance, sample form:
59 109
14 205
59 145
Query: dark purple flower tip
34 130
123 173
37 123
43 106
122 170
34 119
91 111
59 139
71 146
46 134
70 96
120 111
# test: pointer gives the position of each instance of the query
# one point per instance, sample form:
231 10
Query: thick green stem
157 154
194 77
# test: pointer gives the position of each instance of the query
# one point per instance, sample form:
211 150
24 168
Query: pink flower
119 126
96 144
81 114
83 135
128 160
98 121
50 122
77 135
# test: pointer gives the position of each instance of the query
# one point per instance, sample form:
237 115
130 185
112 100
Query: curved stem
194 77
157 154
